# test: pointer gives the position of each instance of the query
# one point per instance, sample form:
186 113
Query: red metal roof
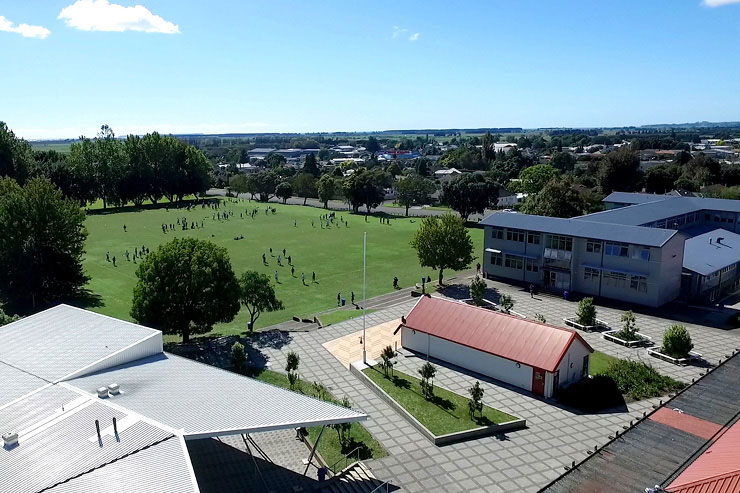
686 422
717 470
517 339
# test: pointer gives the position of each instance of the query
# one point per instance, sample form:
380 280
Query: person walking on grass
292 271
339 298
353 297
276 277
264 260
303 278
313 276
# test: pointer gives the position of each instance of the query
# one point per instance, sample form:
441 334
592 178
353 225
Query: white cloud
718 3
414 37
101 15
25 30
397 31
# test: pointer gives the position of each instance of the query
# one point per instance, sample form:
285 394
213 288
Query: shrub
427 373
592 394
477 290
540 318
677 342
475 404
291 366
629 330
638 380
586 313
238 357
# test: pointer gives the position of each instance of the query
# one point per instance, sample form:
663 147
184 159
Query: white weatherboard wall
147 346
472 359
574 356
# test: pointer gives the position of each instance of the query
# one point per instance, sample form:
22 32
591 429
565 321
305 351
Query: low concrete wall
438 440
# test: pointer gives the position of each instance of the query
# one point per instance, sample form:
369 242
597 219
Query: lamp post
364 294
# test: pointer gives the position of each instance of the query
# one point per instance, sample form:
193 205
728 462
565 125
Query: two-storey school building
644 249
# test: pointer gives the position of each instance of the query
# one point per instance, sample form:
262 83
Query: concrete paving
523 460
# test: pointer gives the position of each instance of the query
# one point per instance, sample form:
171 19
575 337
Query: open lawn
599 362
446 413
335 254
329 447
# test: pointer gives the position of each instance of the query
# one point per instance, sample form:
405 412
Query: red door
538 381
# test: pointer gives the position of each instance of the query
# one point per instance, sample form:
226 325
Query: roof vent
114 389
10 439
719 240
103 392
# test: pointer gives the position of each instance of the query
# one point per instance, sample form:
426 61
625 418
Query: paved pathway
523 460
348 349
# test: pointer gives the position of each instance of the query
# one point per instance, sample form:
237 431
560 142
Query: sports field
335 254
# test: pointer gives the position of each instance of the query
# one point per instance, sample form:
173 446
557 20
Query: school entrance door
538 381
557 280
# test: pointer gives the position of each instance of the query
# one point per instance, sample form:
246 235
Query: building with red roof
537 357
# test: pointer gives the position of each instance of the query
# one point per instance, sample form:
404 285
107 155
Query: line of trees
113 170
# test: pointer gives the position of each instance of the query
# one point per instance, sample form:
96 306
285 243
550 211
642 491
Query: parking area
523 460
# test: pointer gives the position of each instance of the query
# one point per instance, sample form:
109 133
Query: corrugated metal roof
633 198
582 227
524 341
699 203
704 255
16 383
34 408
160 468
206 401
67 446
717 470
662 207
54 343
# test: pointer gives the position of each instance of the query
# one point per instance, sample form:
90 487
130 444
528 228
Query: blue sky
292 66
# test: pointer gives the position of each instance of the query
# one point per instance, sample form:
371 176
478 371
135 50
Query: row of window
618 279
694 217
516 262
517 235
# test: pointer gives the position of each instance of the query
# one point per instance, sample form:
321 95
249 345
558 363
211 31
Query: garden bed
444 419
599 326
692 357
643 340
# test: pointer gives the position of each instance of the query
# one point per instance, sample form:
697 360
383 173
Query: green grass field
599 362
446 413
335 254
62 147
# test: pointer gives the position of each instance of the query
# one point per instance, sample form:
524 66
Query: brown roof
524 341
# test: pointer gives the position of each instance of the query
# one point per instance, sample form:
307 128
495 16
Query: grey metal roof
161 468
704 255
632 198
67 447
204 401
581 228
58 341
16 383
652 453
24 413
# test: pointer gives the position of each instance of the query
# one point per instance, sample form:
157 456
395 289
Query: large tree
619 170
257 294
366 188
414 190
534 178
304 185
469 193
443 243
16 156
42 243
326 189
185 287
284 191
559 198
311 166
265 183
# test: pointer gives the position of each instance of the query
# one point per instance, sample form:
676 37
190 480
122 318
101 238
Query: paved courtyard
348 349
523 460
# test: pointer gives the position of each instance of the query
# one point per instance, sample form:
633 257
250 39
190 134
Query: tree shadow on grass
363 452
440 402
401 383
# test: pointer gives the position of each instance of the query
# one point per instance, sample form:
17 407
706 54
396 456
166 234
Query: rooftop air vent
103 392
10 439
114 389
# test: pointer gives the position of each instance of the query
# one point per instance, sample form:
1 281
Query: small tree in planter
677 342
291 366
477 290
506 302
427 372
238 357
343 429
387 356
629 330
475 405
586 313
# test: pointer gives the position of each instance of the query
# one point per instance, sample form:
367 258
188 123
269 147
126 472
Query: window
496 259
533 238
616 279
497 233
532 265
557 242
591 274
638 283
515 235
616 249
593 246
514 262
641 253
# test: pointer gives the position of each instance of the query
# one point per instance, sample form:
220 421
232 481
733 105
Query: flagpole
364 293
